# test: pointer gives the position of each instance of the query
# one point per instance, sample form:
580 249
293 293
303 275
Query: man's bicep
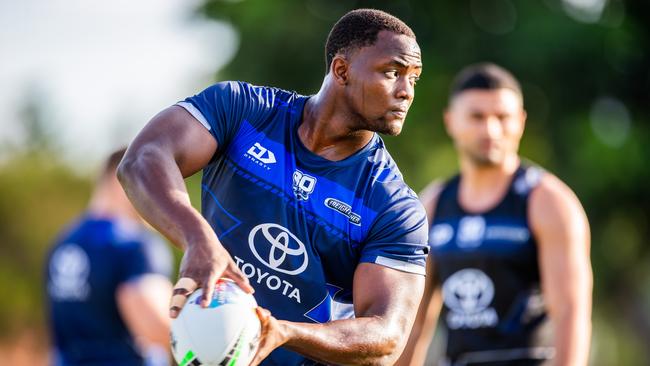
177 133
391 294
561 230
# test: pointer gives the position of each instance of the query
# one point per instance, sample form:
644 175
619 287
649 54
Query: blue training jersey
297 224
84 269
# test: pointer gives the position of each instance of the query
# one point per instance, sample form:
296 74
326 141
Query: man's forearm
360 341
572 338
156 188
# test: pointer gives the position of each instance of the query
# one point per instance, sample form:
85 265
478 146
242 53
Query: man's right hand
202 266
172 146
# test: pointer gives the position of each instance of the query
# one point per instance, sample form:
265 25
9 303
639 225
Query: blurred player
509 242
301 200
107 284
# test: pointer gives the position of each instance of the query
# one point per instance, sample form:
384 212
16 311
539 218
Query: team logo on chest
471 231
468 294
303 185
69 271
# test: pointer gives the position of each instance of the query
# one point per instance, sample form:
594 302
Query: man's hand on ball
202 266
271 336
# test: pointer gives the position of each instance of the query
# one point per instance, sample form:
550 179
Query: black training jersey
487 266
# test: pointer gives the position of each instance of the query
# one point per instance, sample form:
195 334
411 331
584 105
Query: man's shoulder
387 183
250 90
553 203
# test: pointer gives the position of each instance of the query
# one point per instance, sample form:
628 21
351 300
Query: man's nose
405 89
493 127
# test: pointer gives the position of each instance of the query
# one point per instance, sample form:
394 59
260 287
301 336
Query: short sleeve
398 237
147 255
223 106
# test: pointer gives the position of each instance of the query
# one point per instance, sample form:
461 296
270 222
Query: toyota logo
278 248
468 291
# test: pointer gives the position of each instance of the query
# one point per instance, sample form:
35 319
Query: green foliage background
565 67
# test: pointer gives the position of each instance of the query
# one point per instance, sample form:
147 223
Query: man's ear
446 118
340 69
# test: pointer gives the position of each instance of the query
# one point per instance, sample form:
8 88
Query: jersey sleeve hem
196 113
396 264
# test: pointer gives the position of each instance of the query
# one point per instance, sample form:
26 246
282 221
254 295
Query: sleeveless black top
487 266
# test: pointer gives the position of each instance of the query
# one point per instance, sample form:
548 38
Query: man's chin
487 161
392 128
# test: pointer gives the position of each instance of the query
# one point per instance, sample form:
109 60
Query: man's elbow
392 347
126 169
136 161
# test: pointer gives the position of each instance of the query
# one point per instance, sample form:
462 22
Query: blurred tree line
585 77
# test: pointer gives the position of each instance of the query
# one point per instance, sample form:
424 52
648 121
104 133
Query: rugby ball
226 333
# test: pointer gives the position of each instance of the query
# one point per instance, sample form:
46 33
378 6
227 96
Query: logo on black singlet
471 231
441 234
468 294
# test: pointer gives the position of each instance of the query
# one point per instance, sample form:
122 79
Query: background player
107 284
303 197
509 242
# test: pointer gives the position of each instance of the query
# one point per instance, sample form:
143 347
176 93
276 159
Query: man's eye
415 79
392 74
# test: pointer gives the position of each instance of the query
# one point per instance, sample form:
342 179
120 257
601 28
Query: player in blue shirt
108 283
301 201
509 271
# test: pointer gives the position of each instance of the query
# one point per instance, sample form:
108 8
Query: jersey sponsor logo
441 234
272 282
508 233
261 156
69 270
471 230
303 185
278 248
344 209
468 294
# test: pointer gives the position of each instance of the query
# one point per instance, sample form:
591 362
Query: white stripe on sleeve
400 265
195 113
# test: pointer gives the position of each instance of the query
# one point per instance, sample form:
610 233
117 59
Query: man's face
486 125
381 82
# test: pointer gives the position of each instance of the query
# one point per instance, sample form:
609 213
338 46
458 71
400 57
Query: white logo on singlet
468 294
471 230
69 269
441 234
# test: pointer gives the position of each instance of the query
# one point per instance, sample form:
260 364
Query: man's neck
327 127
106 203
483 186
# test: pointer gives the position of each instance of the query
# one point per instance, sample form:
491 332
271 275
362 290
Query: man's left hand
272 335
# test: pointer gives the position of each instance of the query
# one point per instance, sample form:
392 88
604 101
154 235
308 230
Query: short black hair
359 28
113 160
486 76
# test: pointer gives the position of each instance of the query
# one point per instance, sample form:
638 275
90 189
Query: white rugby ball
226 333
